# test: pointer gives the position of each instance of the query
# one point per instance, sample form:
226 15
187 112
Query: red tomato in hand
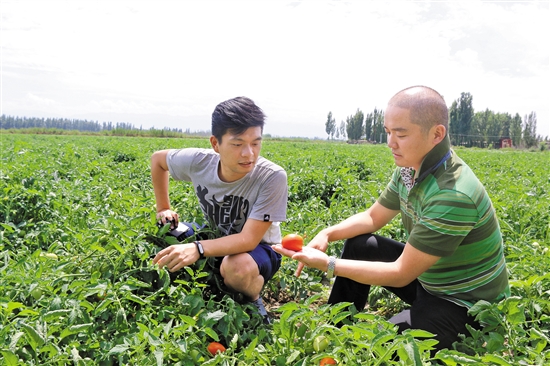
293 242
215 347
327 361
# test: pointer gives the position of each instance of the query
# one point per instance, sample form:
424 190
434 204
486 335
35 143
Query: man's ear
439 134
215 144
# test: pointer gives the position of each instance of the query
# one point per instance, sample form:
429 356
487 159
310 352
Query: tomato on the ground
215 347
327 361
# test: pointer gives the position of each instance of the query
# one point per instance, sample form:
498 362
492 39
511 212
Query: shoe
259 304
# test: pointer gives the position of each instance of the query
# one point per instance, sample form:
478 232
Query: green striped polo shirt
447 213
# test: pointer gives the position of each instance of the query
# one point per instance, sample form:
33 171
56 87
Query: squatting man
242 195
453 255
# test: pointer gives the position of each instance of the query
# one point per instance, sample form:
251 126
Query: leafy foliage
77 284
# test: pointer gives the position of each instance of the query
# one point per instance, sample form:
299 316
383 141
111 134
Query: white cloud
298 60
39 101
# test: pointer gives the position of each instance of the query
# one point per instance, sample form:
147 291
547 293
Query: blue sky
168 63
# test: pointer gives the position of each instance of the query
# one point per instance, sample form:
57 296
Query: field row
78 232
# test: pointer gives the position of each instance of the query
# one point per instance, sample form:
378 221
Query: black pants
431 313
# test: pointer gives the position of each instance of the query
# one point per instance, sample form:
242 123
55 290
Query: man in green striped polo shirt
453 256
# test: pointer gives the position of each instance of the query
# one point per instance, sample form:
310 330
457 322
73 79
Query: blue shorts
268 260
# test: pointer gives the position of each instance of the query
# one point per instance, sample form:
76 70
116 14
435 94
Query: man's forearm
366 222
355 225
160 178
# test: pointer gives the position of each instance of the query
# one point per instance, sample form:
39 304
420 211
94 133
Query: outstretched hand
308 256
319 243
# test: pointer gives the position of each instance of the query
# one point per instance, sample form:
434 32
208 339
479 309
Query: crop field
77 286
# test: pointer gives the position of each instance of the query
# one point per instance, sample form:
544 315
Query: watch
331 265
200 249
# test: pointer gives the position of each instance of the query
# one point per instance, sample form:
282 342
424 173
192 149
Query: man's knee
371 247
238 268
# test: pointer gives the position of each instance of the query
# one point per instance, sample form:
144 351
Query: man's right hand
164 216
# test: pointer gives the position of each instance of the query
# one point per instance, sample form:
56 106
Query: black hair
236 116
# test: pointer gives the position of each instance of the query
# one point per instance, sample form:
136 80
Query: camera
181 232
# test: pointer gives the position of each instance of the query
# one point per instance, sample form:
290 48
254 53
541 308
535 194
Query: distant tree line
466 127
8 122
118 128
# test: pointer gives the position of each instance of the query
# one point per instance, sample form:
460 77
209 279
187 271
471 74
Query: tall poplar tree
515 130
460 119
530 129
354 125
374 124
330 125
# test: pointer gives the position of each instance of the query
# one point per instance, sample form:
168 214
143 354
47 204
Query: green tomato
37 293
320 343
195 354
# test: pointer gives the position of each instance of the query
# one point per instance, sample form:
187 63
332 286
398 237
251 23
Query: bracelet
200 249
331 266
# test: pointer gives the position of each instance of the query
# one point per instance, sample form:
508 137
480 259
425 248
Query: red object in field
327 361
293 242
215 347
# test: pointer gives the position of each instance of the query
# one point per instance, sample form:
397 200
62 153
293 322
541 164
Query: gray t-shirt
260 195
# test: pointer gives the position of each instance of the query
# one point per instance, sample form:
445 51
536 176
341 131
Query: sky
169 63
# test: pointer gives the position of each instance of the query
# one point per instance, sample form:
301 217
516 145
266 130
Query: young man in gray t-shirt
241 194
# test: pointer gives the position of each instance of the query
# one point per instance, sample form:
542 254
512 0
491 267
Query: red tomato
215 347
293 242
327 361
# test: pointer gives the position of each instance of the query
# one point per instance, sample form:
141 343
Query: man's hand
319 242
177 256
308 256
164 216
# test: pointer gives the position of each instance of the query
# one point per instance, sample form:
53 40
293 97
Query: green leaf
411 348
118 349
493 359
35 338
188 320
419 333
159 356
495 342
382 338
8 227
341 316
10 359
135 298
293 356
55 314
12 306
216 315
212 334
15 340
453 358
74 329
167 327
250 349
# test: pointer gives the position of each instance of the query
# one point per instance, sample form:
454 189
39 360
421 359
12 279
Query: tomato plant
76 273
293 242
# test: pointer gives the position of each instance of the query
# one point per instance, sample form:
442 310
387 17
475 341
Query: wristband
200 249
331 266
